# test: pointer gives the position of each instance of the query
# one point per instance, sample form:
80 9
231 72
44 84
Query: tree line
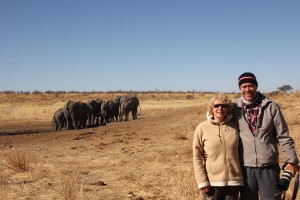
283 88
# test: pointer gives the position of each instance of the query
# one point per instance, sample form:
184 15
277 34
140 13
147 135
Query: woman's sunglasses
222 105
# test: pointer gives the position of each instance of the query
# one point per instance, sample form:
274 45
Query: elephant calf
58 120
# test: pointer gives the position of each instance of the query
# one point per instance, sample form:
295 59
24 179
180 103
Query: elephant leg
58 126
126 116
134 113
92 120
75 122
107 118
69 123
101 119
97 120
83 122
90 123
121 115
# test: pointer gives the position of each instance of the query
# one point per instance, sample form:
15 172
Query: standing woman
218 173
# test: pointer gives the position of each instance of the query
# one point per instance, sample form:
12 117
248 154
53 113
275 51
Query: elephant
97 118
135 101
126 108
77 113
58 120
110 110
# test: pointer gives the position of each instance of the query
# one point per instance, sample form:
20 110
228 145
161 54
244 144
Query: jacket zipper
224 151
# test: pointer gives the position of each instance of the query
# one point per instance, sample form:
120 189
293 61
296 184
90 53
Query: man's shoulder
265 101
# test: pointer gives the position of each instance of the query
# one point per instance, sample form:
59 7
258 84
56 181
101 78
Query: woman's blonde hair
221 97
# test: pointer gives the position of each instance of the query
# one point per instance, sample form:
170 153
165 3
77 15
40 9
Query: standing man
262 127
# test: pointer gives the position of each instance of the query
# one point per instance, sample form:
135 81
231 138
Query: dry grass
183 187
69 186
18 162
3 183
150 158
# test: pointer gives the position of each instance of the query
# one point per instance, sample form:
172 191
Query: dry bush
18 161
69 184
16 185
190 97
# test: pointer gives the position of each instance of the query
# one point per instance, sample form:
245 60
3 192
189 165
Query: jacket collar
264 100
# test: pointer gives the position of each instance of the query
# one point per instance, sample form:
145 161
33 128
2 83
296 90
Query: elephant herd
77 114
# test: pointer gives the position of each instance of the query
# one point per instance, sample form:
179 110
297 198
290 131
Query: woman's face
220 110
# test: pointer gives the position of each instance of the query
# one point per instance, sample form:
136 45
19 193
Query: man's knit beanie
247 77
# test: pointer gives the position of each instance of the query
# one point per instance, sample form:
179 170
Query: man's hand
293 168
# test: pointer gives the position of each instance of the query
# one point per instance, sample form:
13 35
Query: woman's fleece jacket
220 143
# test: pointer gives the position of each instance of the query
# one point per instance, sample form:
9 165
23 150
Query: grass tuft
69 184
18 161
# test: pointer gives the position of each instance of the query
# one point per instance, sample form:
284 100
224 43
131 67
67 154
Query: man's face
249 91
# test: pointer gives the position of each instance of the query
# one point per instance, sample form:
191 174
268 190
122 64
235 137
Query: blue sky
178 45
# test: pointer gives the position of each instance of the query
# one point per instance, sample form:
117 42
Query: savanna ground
147 158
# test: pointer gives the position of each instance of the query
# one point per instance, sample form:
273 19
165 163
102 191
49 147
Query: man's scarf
252 111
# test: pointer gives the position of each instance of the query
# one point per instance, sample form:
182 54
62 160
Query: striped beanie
247 77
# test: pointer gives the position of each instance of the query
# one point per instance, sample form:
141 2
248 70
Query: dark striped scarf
252 111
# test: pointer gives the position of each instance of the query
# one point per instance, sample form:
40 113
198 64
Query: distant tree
23 92
8 92
37 92
285 88
60 92
49 92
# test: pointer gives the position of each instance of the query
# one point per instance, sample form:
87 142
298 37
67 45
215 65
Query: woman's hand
205 189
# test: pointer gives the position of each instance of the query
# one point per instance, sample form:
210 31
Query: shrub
69 184
189 97
18 162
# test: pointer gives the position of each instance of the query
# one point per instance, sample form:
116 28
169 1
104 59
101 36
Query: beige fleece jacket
220 143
